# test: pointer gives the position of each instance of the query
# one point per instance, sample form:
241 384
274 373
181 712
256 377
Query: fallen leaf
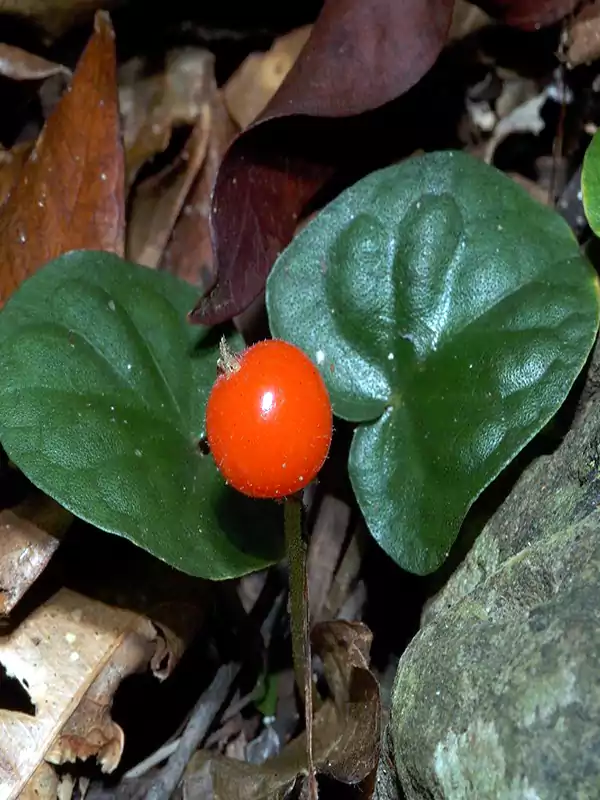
347 730
56 653
255 81
90 731
189 253
158 200
43 784
584 35
11 164
29 536
358 57
70 193
20 65
353 734
153 105
55 16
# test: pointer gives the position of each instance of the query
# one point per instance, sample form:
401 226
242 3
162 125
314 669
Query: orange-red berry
269 420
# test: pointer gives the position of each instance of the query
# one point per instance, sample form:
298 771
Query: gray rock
498 695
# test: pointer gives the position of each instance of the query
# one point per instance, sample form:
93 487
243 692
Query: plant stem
299 621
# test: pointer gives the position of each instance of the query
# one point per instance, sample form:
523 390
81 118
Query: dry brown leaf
584 35
152 106
43 785
11 164
57 653
347 730
29 536
158 201
55 16
91 731
256 80
189 252
21 65
70 195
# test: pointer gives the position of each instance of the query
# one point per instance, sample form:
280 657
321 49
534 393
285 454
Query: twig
202 716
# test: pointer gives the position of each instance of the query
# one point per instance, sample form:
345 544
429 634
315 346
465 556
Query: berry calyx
268 419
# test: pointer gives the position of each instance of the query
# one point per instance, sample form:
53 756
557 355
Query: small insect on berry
268 419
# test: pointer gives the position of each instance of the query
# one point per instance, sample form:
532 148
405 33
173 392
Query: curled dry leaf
70 192
189 253
29 536
65 646
353 733
253 84
270 172
91 732
158 200
347 730
153 105
21 65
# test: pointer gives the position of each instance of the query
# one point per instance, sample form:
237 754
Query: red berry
269 420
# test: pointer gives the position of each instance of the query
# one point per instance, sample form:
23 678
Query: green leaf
590 183
103 386
449 314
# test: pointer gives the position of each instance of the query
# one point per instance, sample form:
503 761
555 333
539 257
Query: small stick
202 716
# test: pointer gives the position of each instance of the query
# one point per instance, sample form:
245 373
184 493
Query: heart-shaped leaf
450 314
103 385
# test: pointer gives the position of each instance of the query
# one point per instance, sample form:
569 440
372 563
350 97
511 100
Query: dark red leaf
360 56
529 14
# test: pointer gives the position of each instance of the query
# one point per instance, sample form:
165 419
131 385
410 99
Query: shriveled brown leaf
157 202
253 84
153 105
91 732
11 163
29 536
352 735
20 65
70 195
189 252
347 730
57 653
55 16
584 35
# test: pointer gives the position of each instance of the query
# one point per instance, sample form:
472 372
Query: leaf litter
141 155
